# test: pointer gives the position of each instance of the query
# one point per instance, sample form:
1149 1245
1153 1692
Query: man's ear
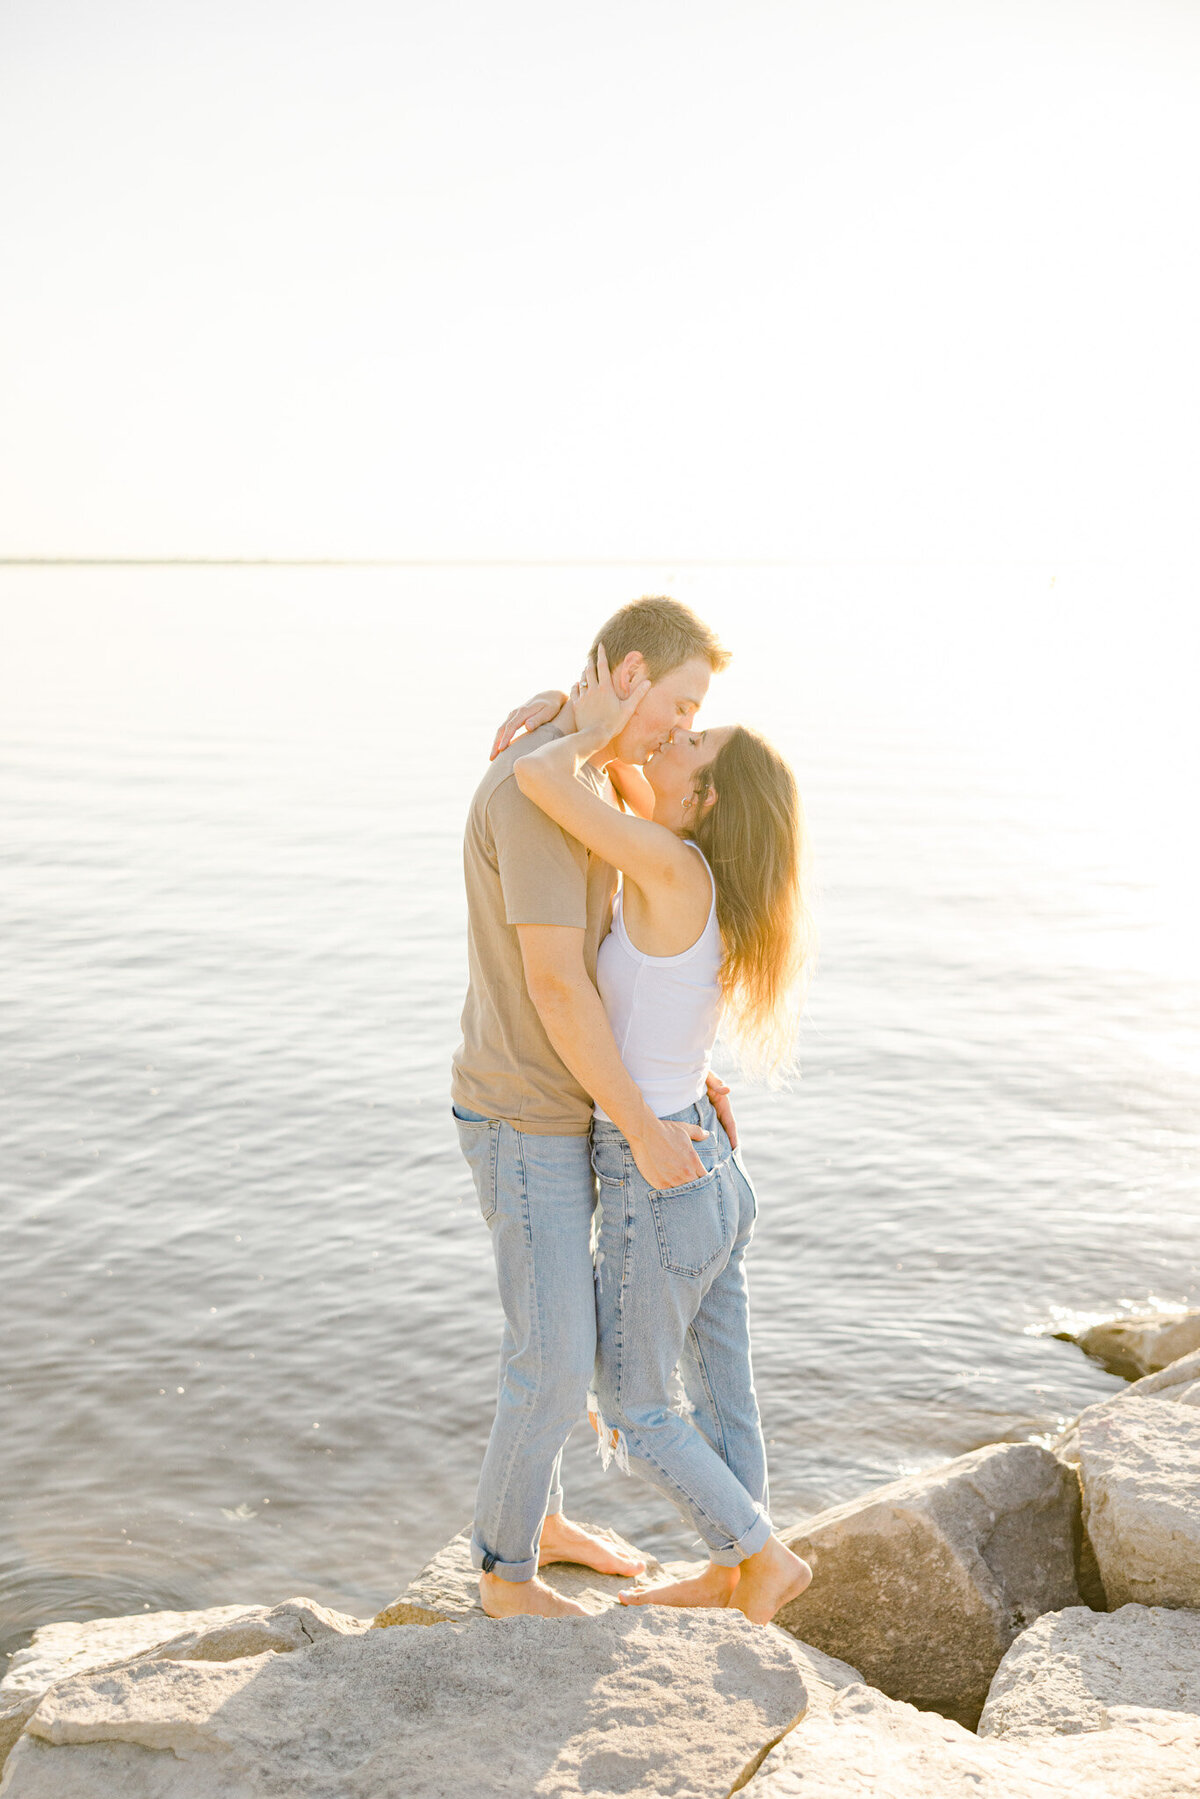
628 673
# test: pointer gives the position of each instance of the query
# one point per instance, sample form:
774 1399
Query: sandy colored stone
630 1702
14 1715
1140 1466
71 1647
924 1584
1178 1382
1068 1671
447 1588
864 1745
296 1624
1142 1344
221 1634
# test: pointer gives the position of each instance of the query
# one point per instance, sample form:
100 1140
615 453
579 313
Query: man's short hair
664 631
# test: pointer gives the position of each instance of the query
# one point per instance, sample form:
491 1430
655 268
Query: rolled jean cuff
555 1502
748 1544
488 1564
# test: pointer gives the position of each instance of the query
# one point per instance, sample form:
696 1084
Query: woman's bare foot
563 1541
713 1586
524 1599
768 1580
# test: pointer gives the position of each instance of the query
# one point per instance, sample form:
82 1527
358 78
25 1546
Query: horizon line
394 562
670 562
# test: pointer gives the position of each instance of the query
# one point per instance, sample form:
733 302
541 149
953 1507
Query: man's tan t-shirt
522 868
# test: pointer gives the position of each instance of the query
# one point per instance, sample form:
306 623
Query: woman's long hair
754 838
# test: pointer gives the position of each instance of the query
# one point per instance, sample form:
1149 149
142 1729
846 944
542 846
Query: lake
249 1323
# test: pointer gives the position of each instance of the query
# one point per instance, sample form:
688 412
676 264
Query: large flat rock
924 1584
864 1745
1141 1344
630 1702
447 1588
221 1633
1072 1670
1178 1382
1140 1467
72 1647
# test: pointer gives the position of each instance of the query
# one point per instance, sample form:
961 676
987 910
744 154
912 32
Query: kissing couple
633 884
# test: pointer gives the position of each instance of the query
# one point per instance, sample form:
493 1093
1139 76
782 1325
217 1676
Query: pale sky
762 280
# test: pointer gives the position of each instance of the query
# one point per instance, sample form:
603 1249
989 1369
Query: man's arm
577 1025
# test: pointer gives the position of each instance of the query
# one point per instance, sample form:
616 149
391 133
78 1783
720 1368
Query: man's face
670 704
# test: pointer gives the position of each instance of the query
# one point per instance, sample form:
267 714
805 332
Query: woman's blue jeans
671 1292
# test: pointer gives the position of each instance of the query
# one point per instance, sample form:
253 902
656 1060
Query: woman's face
672 773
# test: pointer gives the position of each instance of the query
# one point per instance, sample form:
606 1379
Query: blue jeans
538 1195
671 1292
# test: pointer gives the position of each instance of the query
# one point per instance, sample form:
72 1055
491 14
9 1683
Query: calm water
249 1327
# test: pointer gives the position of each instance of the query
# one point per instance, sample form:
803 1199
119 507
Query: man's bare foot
712 1586
563 1541
768 1580
524 1599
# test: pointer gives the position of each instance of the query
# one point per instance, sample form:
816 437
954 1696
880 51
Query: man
536 1052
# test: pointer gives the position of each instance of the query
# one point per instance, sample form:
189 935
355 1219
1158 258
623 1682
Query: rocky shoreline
1024 1619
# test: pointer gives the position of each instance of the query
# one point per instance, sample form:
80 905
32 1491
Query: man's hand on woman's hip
664 1153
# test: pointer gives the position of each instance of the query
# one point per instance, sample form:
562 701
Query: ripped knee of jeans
610 1443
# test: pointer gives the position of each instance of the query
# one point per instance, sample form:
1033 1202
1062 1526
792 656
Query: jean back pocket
690 1223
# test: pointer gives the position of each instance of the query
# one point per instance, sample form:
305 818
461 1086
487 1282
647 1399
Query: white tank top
664 1010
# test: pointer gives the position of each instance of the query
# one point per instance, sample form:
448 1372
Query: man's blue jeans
671 1292
538 1195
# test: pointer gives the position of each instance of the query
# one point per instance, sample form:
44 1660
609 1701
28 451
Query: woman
708 926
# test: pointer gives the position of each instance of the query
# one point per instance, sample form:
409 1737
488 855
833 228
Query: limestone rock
296 1624
924 1584
220 1634
1068 1672
1143 1344
643 1702
71 1648
867 1746
1179 1382
14 1714
1140 1465
447 1589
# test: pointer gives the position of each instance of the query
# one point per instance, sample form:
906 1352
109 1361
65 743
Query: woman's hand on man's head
597 704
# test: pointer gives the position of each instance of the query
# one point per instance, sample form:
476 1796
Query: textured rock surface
14 1714
63 1648
1140 1466
220 1634
1179 1382
866 1746
924 1584
70 1648
663 1703
1141 1345
1068 1672
447 1589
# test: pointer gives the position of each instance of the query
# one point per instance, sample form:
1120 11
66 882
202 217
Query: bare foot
524 1599
713 1586
563 1541
768 1580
